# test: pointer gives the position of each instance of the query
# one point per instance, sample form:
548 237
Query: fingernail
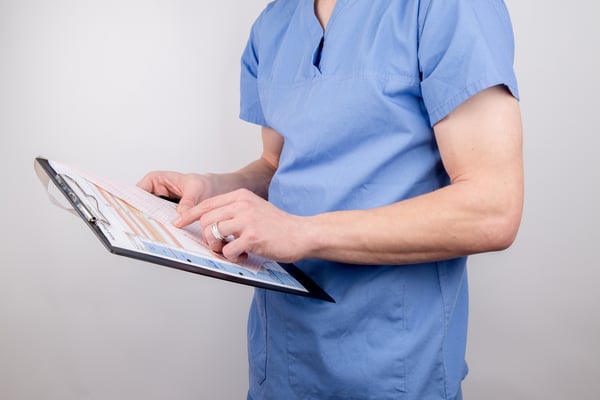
177 221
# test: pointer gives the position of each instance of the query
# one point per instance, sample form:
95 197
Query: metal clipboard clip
46 173
93 217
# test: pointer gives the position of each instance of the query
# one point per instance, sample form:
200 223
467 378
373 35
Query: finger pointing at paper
255 225
190 189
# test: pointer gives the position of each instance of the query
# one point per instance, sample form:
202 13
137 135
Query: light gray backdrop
121 87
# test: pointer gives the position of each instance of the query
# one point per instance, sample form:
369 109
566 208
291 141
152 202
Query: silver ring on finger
214 229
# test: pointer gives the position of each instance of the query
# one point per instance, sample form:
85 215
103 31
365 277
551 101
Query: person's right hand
190 189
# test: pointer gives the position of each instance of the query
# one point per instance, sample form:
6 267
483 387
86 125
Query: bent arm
257 175
191 189
480 144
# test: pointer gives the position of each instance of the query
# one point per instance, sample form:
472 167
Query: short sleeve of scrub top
356 105
464 47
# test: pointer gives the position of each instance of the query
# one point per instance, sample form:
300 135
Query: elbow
500 231
505 233
499 216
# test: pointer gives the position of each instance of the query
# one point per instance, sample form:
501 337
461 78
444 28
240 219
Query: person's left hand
255 225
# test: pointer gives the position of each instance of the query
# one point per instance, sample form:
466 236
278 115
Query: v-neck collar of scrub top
316 31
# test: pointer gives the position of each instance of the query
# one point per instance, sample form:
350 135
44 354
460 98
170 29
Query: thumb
145 183
186 216
186 202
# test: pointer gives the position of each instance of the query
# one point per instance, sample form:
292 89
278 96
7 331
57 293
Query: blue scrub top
356 105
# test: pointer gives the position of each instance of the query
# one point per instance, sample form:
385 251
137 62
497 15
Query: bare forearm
255 177
451 222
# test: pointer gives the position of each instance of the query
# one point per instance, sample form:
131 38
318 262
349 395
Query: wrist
313 237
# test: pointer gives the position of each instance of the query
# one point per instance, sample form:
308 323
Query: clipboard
139 228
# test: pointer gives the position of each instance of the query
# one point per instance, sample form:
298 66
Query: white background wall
121 87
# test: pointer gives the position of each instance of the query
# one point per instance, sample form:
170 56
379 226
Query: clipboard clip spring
94 219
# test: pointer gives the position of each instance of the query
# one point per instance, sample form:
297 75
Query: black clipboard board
286 278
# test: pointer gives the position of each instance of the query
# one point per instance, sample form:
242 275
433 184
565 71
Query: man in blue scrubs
392 150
